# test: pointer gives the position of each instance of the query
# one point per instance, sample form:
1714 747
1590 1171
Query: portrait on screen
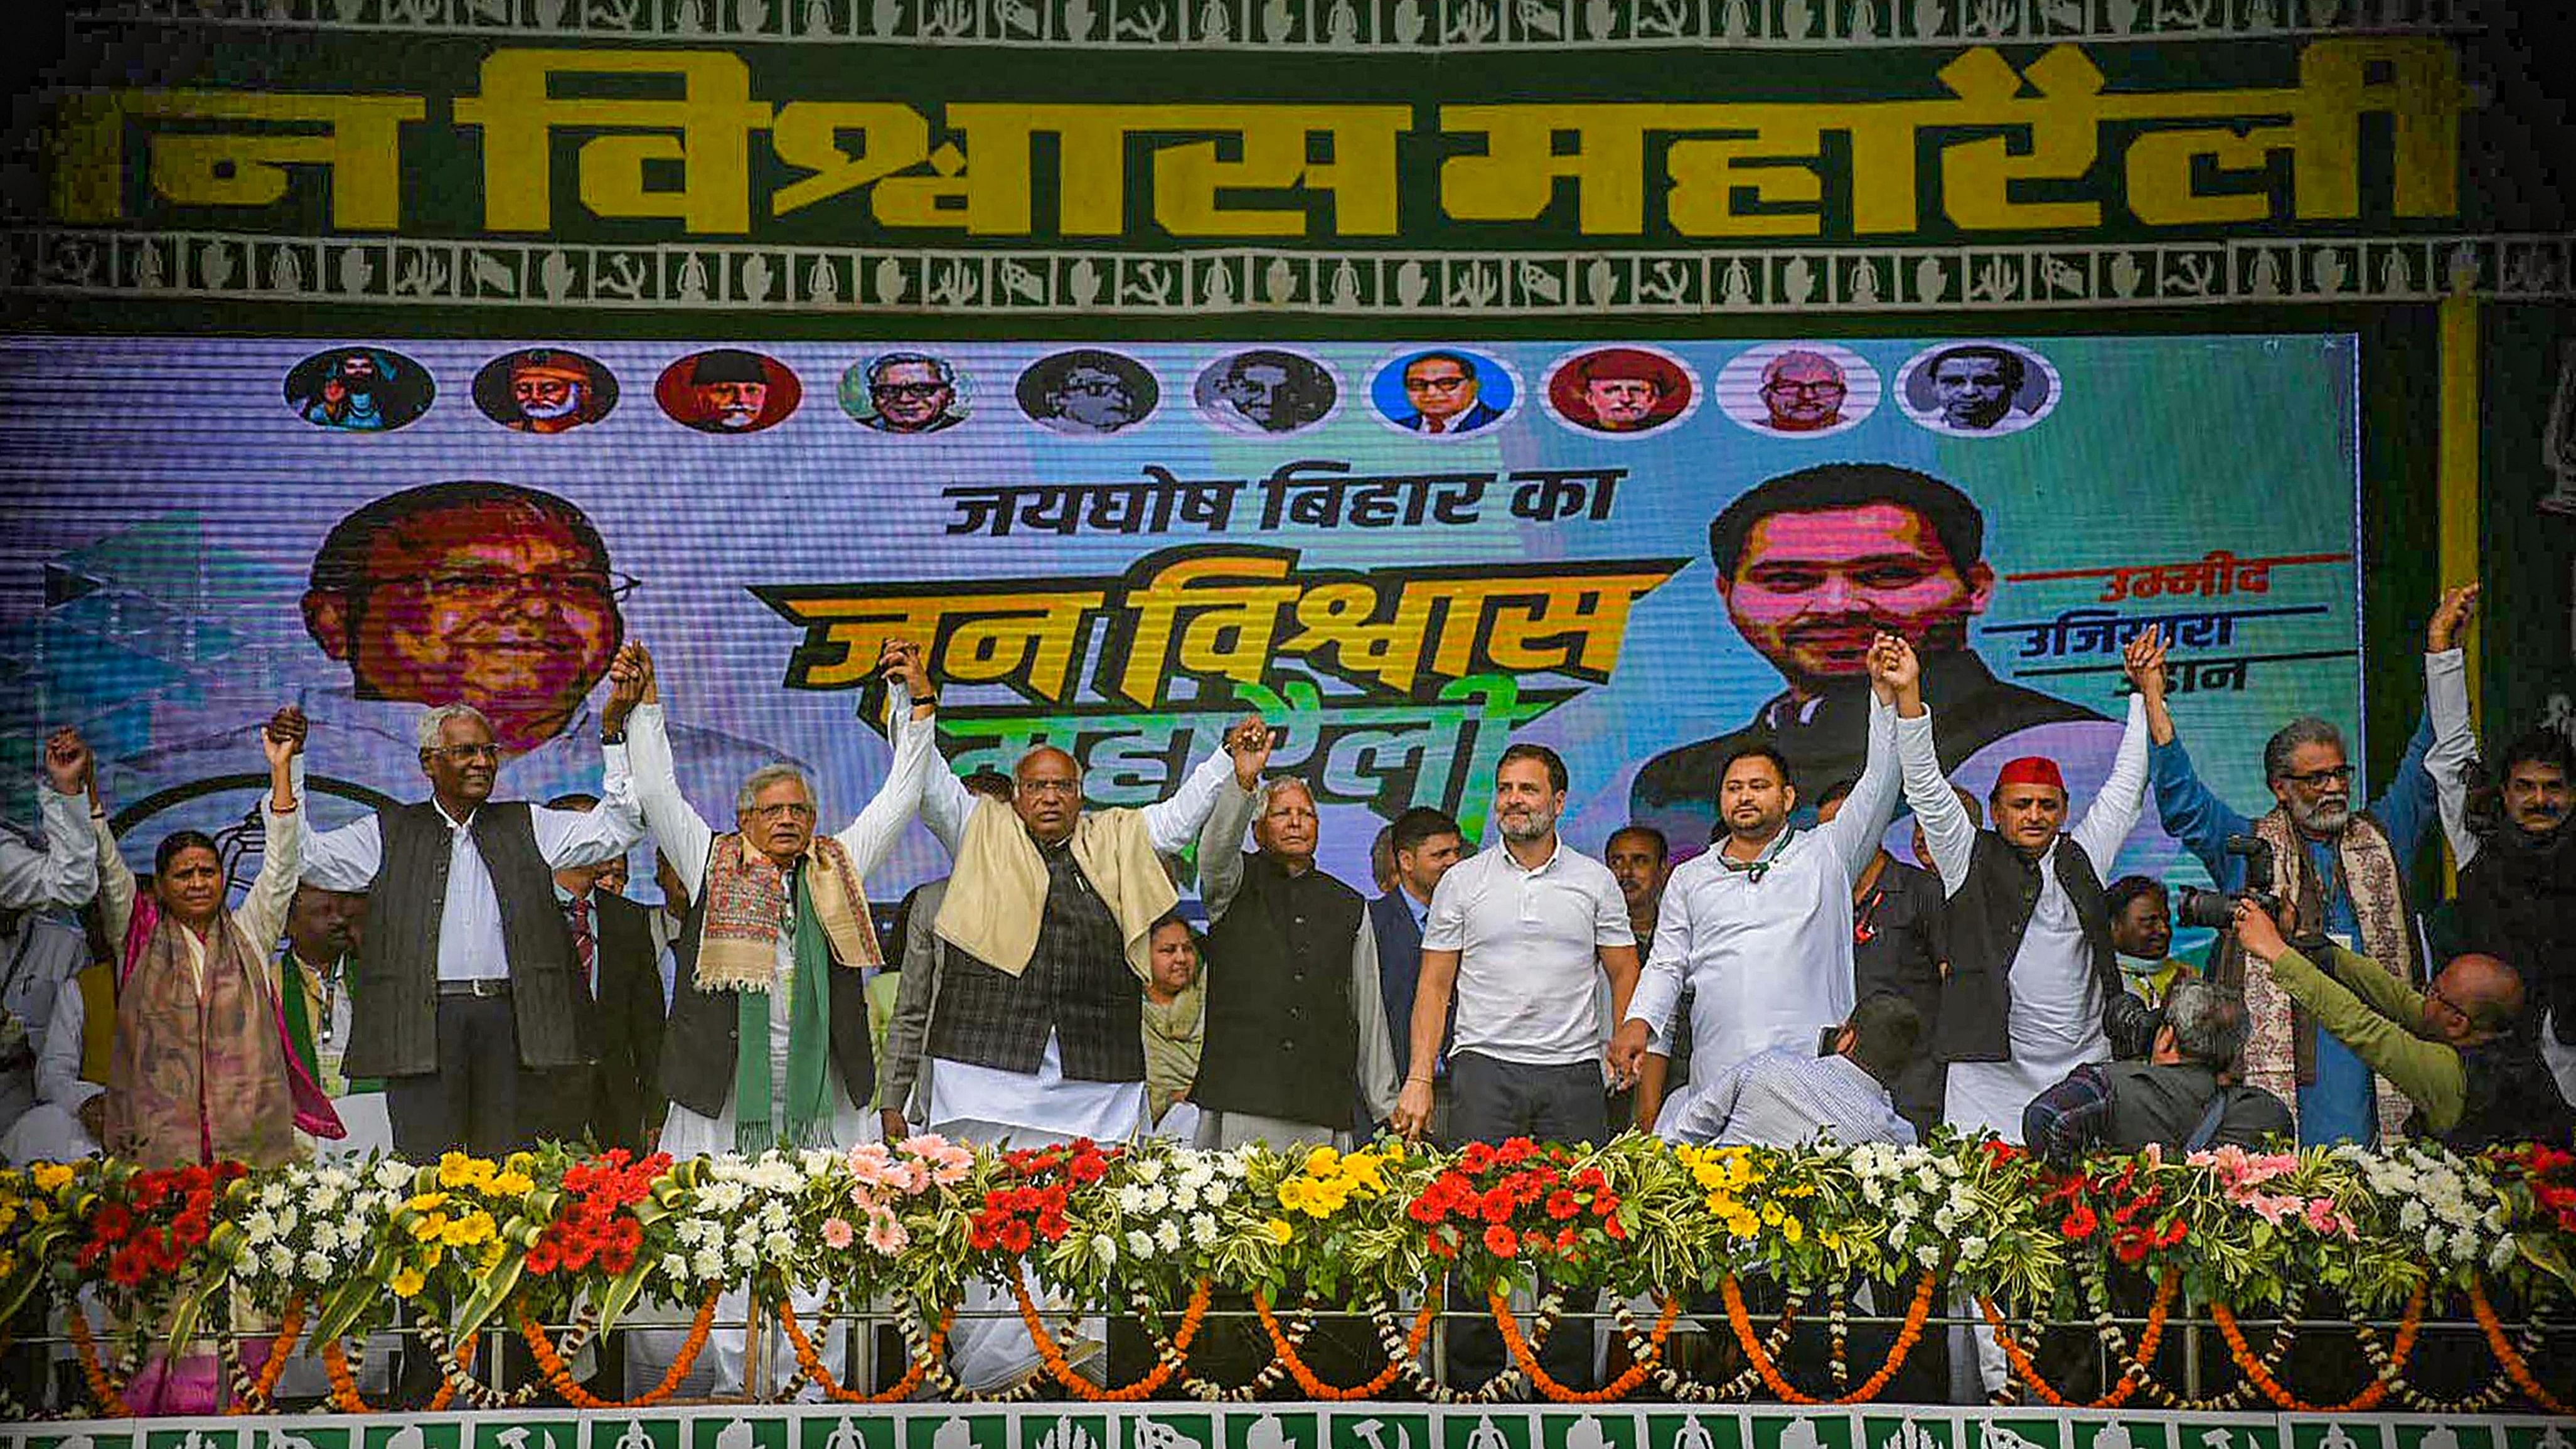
1621 391
1447 392
1810 566
1798 389
1265 390
544 390
359 390
904 392
1977 389
1088 392
726 390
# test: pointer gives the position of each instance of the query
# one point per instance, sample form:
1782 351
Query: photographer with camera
2452 1049
2175 1097
2341 870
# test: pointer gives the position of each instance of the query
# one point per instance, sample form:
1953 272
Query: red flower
2171 1233
1562 1205
1423 1209
1616 1231
1477 1158
1591 1177
1565 1240
1515 1151
112 1224
1015 1236
544 1258
1999 1152
1604 1203
1089 1168
2079 1224
980 1236
1497 1206
1501 1241
2132 1244
129 1268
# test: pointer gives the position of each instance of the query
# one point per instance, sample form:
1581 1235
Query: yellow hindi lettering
713 116
1769 161
808 135
2060 134
1514 178
361 146
1213 616
1360 177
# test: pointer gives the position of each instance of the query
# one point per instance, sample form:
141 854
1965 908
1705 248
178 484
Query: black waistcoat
1078 985
1984 923
1281 1041
393 988
704 1034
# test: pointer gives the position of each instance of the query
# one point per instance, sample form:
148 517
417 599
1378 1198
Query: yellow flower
1280 1232
1321 1161
436 1256
476 1227
50 1176
1793 1230
427 1201
408 1282
1771 1213
455 1170
519 1162
513 1184
429 1227
1744 1225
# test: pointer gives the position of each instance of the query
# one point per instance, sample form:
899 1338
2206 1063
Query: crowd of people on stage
467 972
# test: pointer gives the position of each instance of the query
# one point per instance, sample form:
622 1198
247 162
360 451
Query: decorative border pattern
253 266
1333 26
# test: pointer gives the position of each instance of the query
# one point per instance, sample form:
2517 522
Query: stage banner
1406 557
1175 158
1309 1426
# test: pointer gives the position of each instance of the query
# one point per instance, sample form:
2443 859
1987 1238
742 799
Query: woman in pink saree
201 1070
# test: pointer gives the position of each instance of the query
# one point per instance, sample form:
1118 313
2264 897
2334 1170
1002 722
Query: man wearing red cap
2031 967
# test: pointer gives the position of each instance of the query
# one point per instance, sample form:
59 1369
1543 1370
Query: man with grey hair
909 392
2341 871
1296 1022
466 996
2176 1098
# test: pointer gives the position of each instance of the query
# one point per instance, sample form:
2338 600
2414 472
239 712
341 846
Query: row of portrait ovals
1973 388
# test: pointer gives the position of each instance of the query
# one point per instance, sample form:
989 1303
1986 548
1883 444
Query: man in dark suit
1813 565
1426 842
617 1102
1443 388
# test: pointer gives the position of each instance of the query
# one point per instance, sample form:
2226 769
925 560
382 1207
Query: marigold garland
2514 1364
558 1374
103 1390
256 1393
1315 1388
809 1361
1618 1388
2272 1388
1052 1355
1741 1320
344 1382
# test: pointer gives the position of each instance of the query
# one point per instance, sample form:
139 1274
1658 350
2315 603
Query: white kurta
1767 954
2056 1022
685 838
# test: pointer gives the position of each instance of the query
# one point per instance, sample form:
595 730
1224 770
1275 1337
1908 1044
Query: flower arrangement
1502 1213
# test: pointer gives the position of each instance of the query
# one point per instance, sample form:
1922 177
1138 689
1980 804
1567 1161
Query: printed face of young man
1971 390
1812 589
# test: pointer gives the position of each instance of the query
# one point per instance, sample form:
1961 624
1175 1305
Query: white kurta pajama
2056 1020
1766 949
685 840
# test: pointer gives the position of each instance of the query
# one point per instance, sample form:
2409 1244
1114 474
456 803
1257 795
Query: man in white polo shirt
1519 935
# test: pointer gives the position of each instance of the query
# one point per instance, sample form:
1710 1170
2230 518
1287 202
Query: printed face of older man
1439 388
1804 392
1622 404
910 396
732 406
1096 398
1971 390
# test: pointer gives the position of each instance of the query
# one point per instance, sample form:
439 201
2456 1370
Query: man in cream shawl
1037 1034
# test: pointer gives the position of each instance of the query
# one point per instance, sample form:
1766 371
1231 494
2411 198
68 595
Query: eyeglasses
465 754
495 589
918 391
1806 389
1050 787
2314 779
787 809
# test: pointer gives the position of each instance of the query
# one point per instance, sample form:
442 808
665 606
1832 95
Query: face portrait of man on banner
359 390
544 390
1810 567
903 392
726 390
1087 390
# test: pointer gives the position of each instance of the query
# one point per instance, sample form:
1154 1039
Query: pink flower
2325 1219
950 1162
837 1232
886 1235
872 1165
2273 1208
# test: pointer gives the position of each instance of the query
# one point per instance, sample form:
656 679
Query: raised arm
1855 830
2191 813
1221 848
898 799
2123 797
2453 745
262 915
1174 823
1946 826
677 829
115 886
65 872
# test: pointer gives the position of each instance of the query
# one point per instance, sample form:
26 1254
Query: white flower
1167 1236
2432 1242
1203 1229
392 1174
316 1267
1184 1196
775 1174
273 1196
1946 1219
818 1161
2496 1218
1155 1199
674 1266
691 1231
2500 1255
1931 1181
773 1218
2410 1218
1149 1169
1216 1194
721 1196
742 1254
706 1263
287 1219
281 1260
1197 1174
779 1245
326 1237
259 1227
325 1198
1105 1248
1928 1255
1972 1248
1139 1245
1232 1165
1131 1200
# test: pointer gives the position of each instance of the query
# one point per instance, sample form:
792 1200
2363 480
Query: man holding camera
2174 1097
2342 871
2453 1049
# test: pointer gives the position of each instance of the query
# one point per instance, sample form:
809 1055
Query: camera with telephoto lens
2217 909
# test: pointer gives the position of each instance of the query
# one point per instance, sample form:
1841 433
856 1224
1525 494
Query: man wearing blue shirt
2342 871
